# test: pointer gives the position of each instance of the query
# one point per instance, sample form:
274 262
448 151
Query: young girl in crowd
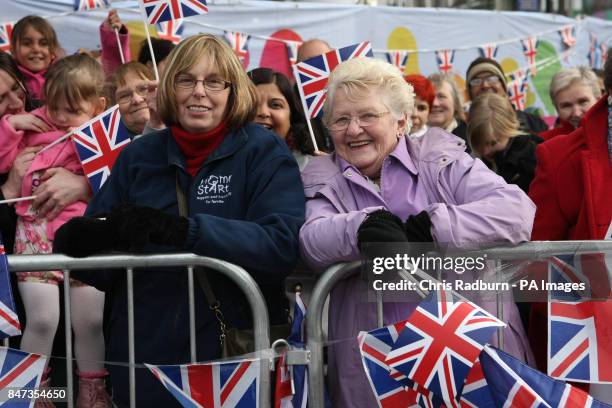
35 47
75 94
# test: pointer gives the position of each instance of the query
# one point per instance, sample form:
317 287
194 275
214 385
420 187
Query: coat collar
232 142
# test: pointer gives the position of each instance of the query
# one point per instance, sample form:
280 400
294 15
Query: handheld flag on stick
98 144
6 32
440 342
9 321
514 384
81 5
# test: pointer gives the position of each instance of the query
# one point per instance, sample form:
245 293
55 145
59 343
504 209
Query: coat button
349 174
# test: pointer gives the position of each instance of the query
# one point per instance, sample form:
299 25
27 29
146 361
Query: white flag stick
143 15
303 99
119 45
15 200
50 145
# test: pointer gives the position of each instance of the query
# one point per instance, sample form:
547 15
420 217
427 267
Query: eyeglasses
363 120
490 80
126 96
189 82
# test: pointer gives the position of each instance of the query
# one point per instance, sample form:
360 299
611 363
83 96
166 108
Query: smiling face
198 109
33 51
273 109
573 102
12 96
134 111
443 108
365 147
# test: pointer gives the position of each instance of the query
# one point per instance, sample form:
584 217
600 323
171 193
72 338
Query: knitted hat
482 64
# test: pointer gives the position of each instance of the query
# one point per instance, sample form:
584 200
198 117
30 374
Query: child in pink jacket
35 47
75 94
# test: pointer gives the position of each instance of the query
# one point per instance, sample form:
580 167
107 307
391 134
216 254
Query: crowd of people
222 164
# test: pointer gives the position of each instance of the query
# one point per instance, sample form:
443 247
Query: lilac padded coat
468 205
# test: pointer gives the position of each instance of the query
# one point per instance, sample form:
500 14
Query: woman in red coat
572 190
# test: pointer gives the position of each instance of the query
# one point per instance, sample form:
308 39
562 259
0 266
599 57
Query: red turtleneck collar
198 146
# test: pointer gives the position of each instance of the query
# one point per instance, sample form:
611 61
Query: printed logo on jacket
214 189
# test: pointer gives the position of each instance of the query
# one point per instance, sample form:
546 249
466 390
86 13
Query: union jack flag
239 42
476 393
20 370
398 58
440 342
6 32
98 143
292 50
445 60
390 387
488 50
292 381
219 385
589 270
517 89
597 52
158 11
579 341
514 384
80 5
9 321
311 75
171 30
530 49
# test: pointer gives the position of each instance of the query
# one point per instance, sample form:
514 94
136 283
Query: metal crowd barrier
338 272
261 332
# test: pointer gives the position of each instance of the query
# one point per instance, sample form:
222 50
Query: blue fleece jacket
246 206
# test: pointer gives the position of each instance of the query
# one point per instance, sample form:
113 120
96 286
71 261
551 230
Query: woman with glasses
244 204
59 186
129 88
382 186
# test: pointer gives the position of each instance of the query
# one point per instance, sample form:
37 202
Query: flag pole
58 141
303 100
119 45
15 200
146 28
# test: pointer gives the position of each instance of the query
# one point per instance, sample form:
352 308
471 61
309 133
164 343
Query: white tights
41 301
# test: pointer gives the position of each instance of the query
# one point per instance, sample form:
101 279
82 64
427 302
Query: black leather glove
381 226
136 227
83 236
418 228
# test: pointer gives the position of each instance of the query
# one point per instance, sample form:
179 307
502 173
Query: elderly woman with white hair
382 186
573 91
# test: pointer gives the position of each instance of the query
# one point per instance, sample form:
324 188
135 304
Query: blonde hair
74 79
437 80
491 116
242 100
119 77
359 75
567 77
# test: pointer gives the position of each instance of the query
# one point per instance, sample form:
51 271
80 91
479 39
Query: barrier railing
338 272
22 263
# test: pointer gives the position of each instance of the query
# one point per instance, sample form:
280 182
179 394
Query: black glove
136 227
418 228
83 236
381 226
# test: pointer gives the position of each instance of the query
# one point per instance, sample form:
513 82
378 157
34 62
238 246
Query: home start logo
214 189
